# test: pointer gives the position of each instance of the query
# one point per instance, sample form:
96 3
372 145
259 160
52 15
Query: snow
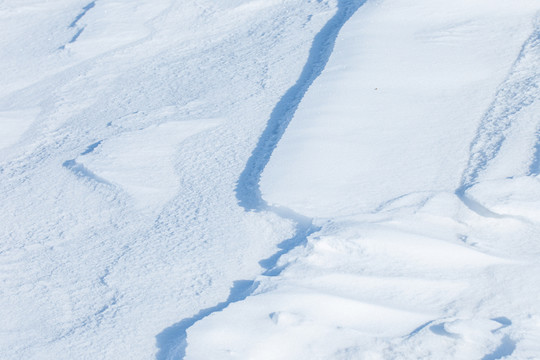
395 112
410 152
92 265
142 161
284 179
14 124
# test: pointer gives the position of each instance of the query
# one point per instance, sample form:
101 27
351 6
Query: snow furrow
534 168
75 21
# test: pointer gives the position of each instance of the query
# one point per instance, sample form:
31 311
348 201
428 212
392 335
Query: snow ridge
172 342
248 191
516 93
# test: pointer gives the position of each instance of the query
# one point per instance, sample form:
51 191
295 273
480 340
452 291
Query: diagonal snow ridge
173 341
135 164
82 171
248 190
514 95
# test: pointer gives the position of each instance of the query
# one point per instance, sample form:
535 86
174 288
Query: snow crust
269 179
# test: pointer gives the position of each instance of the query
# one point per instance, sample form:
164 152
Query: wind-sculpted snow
269 179
534 169
510 119
248 189
400 266
81 171
120 163
506 348
85 9
519 91
173 340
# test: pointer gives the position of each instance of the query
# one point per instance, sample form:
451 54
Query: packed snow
270 179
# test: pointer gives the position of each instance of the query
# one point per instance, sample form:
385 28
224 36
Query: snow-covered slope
269 179
415 154
124 128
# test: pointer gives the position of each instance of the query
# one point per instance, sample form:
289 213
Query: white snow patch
142 162
14 123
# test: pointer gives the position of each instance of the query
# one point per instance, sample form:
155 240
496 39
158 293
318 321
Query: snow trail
248 190
172 342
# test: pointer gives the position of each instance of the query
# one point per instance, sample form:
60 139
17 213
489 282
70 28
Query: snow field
151 95
412 153
409 84
403 283
396 213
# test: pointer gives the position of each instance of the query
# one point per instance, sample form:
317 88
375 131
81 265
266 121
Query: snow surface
269 179
412 153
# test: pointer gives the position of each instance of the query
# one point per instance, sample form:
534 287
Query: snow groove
76 36
506 348
172 342
91 147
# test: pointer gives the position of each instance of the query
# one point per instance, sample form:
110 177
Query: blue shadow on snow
506 348
172 341
248 192
83 12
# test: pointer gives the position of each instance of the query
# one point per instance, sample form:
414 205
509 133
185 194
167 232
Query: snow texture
269 179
